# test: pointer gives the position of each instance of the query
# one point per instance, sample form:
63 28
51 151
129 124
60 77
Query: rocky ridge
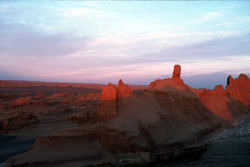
166 118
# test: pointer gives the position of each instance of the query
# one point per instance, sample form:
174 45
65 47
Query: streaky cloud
216 48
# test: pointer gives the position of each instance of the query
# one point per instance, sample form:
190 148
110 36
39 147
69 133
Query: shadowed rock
20 121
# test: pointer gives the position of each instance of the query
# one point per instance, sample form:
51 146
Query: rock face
107 103
108 100
239 88
123 90
216 101
109 92
177 71
230 103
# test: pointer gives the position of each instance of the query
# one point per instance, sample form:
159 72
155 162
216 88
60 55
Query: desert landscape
124 83
166 123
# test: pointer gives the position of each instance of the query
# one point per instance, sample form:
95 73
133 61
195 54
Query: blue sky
138 41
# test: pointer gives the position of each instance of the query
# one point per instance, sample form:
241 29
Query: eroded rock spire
177 71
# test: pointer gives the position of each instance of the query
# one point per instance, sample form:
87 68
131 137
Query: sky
137 41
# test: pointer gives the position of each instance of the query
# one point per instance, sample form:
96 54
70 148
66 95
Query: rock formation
123 90
22 101
110 94
230 103
216 101
177 71
168 117
4 83
239 88
107 103
174 82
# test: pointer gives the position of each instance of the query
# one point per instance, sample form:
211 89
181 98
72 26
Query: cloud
210 16
247 58
207 50
80 12
33 53
26 42
30 54
58 56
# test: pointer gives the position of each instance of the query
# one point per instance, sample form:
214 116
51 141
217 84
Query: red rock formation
229 103
239 88
177 71
168 82
4 83
107 103
23 101
63 94
123 90
109 92
216 101
174 82
40 95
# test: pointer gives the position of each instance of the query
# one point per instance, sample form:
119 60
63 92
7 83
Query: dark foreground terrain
12 145
230 148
